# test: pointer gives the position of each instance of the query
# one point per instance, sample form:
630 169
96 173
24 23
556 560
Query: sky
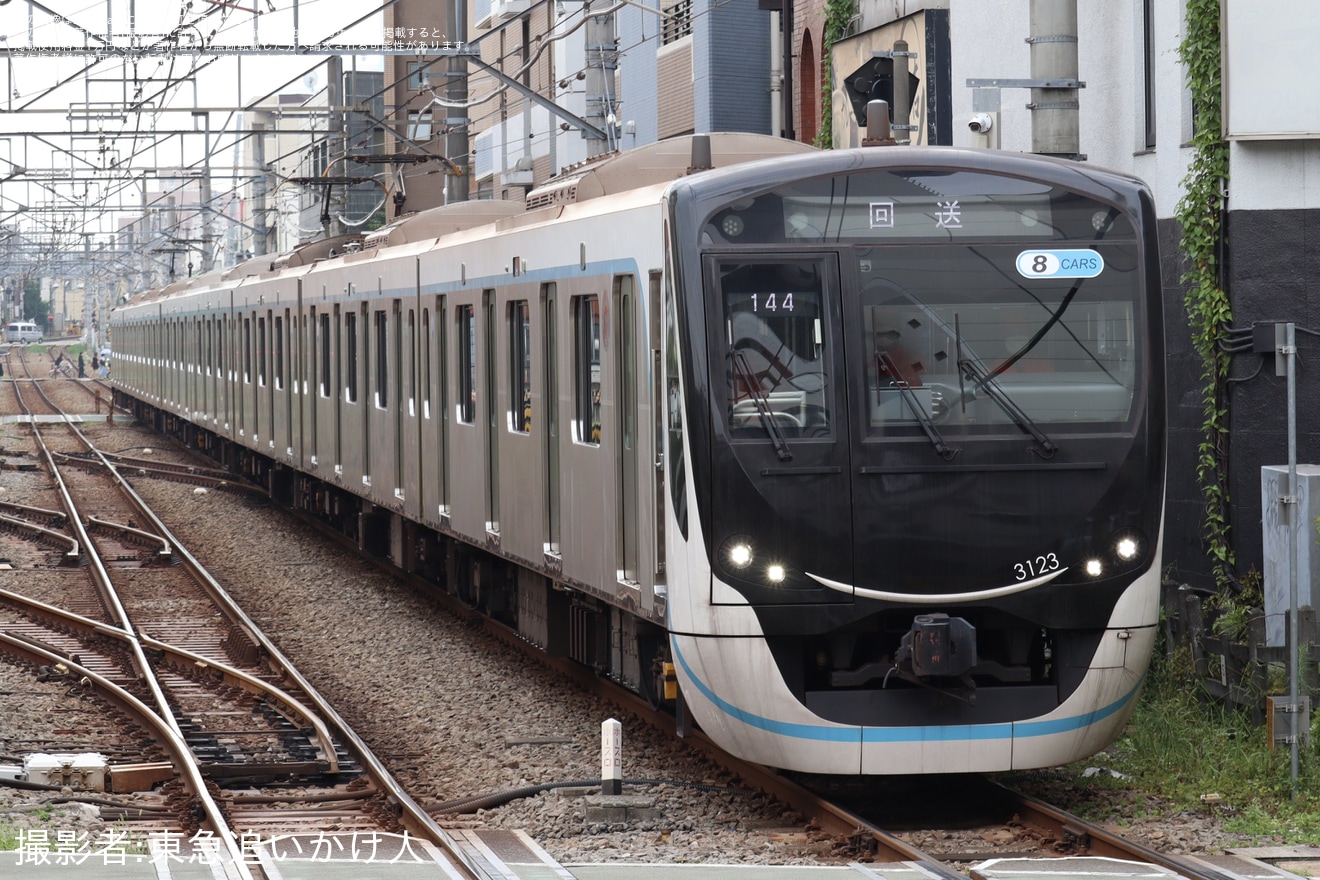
75 129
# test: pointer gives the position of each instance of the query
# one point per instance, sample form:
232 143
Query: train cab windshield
970 305
775 325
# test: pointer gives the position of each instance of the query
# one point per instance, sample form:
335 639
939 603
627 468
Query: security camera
980 123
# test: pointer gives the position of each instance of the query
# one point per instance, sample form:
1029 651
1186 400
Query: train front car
915 458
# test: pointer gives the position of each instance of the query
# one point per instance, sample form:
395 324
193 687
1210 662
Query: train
853 458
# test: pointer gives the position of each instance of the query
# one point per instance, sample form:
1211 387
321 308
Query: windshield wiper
749 380
983 379
884 363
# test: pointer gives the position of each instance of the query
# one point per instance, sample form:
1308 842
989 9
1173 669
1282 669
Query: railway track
241 749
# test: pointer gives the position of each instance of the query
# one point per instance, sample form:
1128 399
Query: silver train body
858 455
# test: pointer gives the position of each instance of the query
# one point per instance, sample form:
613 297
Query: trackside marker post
611 757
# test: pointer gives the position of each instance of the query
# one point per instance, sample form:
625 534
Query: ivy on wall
1200 215
839 15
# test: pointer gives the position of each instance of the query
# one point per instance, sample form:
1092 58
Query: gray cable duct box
1274 533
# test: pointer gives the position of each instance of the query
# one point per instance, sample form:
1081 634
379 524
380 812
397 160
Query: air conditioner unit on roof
503 10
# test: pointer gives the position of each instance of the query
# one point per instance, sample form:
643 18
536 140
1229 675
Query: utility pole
260 229
1054 85
1054 107
457 187
602 59
208 229
334 142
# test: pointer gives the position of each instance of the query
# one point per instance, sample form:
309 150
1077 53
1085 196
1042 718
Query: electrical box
1283 716
85 772
1276 521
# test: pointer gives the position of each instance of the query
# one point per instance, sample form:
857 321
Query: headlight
1124 550
1127 548
737 552
741 558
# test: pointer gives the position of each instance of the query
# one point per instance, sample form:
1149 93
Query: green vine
1200 216
839 15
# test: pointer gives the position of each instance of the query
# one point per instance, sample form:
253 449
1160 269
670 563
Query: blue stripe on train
942 733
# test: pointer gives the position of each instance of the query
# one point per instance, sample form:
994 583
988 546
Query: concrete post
1054 111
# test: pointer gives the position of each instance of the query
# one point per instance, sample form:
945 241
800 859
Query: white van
22 331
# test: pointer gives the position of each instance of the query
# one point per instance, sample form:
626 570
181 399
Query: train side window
520 367
382 353
467 365
279 352
261 351
350 356
324 343
586 369
247 351
412 363
426 363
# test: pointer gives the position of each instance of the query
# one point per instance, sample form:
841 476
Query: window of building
419 124
418 78
676 21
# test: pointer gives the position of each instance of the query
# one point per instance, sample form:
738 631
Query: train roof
660 162
651 165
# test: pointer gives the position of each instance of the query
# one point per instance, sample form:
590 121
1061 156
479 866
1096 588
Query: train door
314 390
287 378
363 412
265 408
466 504
320 400
549 368
654 301
628 540
281 394
345 387
445 417
491 384
224 347
246 422
302 428
167 362
196 371
404 405
158 357
422 501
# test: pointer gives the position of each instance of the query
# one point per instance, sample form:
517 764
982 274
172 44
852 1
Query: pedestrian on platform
82 367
